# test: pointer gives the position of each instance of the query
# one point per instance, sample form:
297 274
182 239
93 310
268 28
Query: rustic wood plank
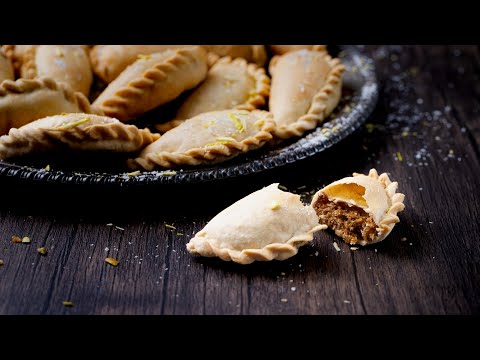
425 132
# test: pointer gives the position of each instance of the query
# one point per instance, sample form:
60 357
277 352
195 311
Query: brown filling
351 223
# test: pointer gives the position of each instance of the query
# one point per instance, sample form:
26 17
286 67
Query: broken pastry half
360 209
6 68
153 80
63 63
283 49
306 87
230 84
108 61
265 225
207 139
81 132
252 53
25 100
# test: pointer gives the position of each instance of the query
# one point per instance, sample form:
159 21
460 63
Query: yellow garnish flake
259 123
281 187
16 239
26 240
240 124
59 52
47 168
143 57
168 173
399 156
222 140
111 261
67 303
74 124
135 173
42 251
179 234
275 205
170 226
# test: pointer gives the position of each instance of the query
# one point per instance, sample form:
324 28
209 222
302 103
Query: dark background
424 132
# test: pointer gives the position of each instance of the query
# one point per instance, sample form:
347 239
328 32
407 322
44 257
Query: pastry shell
24 100
63 63
306 87
230 84
252 53
283 49
379 200
81 132
153 80
208 138
265 225
15 53
6 68
108 61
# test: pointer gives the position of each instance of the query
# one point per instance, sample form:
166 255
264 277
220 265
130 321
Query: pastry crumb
26 240
354 248
134 173
16 239
335 245
2 262
119 228
346 301
284 300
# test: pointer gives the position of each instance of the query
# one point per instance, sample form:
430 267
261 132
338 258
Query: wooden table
425 132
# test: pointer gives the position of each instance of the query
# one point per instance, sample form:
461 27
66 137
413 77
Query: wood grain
428 113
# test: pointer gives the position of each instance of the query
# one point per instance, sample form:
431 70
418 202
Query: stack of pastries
228 99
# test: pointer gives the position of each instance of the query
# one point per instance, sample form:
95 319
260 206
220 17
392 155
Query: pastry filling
351 223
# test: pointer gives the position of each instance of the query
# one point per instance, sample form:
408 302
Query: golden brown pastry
265 225
81 132
360 209
25 100
208 138
306 87
252 53
283 49
153 80
108 61
63 63
230 84
15 54
6 68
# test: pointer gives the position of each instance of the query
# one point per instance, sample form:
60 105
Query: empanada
306 87
6 68
265 225
208 138
108 61
252 53
230 84
81 132
360 209
25 100
15 54
283 49
63 63
153 80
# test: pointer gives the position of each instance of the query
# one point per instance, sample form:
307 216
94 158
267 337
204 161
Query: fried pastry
63 63
306 87
360 209
208 138
230 84
108 61
283 49
6 68
252 53
15 54
81 132
153 80
23 101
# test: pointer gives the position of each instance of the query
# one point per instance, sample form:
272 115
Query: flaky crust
85 132
153 81
208 153
322 102
265 225
389 217
222 89
108 61
25 100
63 63
283 49
6 68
